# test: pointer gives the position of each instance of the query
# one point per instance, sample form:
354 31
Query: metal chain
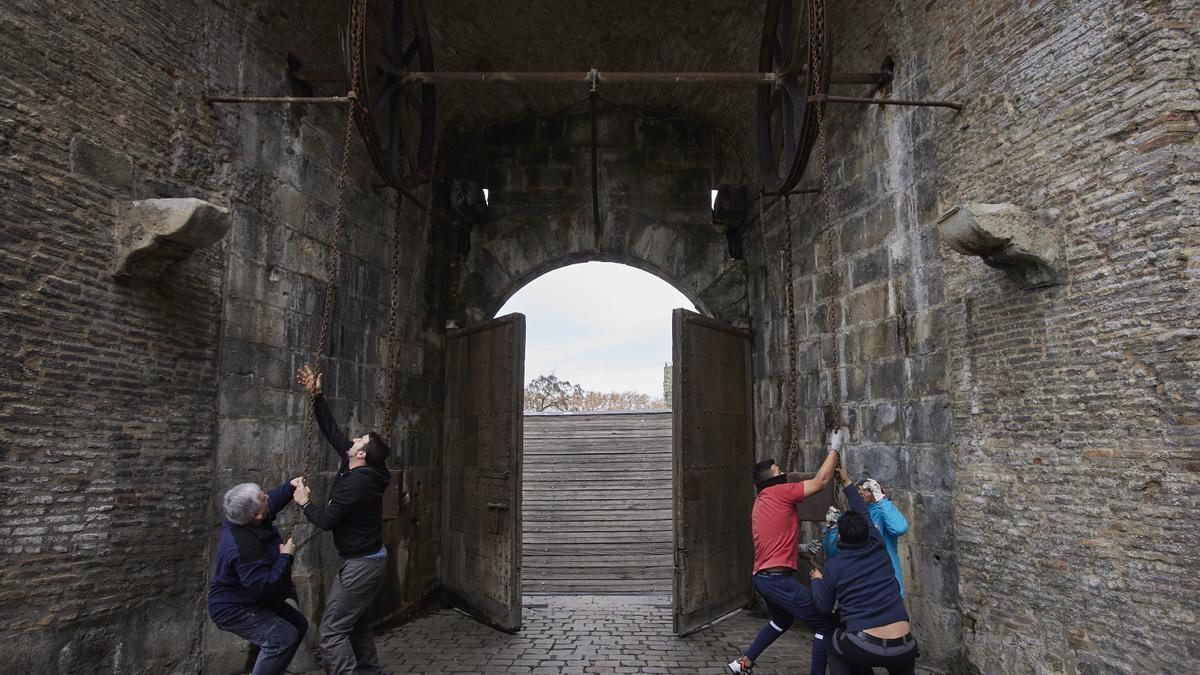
769 262
389 363
356 37
358 14
816 28
398 311
790 302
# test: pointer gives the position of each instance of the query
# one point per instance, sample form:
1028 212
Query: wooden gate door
713 455
481 469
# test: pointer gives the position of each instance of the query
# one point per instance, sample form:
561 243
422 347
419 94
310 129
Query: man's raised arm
311 381
819 482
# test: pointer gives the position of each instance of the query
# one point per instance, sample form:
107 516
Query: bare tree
596 401
547 392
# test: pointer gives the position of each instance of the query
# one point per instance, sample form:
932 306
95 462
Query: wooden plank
597 503
624 584
663 559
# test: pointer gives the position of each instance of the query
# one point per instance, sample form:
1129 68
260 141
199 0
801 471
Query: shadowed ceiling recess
393 84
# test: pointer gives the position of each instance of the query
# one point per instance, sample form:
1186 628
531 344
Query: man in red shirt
776 530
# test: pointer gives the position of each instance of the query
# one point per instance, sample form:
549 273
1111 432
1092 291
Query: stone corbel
1008 238
154 234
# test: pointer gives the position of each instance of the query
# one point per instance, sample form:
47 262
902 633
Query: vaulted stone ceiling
614 35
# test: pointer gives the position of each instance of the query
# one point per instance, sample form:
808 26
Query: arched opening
630 271
596 479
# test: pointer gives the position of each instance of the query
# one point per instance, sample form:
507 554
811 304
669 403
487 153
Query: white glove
871 485
838 438
832 515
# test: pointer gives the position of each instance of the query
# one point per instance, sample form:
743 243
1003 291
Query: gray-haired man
253 577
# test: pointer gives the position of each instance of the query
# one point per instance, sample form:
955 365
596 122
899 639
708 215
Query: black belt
775 572
884 642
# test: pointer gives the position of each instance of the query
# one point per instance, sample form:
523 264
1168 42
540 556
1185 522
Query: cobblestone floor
584 634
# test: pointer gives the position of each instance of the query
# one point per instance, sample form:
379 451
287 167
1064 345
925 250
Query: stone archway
729 285
654 181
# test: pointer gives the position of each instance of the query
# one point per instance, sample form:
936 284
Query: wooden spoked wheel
794 46
395 117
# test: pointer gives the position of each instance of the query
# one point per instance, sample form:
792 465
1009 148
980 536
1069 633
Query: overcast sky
604 326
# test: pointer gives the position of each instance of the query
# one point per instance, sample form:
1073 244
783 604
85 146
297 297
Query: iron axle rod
443 77
884 101
586 77
276 99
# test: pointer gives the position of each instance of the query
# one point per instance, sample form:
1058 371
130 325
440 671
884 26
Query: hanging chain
356 36
389 363
769 262
398 311
789 291
816 28
357 19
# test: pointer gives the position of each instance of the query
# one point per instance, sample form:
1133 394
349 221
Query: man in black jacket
355 514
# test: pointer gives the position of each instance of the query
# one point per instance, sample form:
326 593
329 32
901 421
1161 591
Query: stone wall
1042 443
655 180
1039 441
1074 408
109 402
129 407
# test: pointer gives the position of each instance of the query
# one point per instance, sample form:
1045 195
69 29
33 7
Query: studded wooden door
481 468
713 457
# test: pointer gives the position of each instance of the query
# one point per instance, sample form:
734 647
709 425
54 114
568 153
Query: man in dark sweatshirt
253 577
355 514
875 631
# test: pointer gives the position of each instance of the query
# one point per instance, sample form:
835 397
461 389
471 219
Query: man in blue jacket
829 532
887 519
253 577
860 581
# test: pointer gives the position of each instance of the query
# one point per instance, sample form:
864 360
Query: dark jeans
852 654
277 630
346 641
786 600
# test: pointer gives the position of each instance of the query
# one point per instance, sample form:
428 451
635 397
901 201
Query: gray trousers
347 645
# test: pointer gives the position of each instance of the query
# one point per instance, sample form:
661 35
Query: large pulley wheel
794 47
395 117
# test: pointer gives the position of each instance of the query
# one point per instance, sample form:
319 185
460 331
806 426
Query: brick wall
108 408
128 408
1041 443
1074 408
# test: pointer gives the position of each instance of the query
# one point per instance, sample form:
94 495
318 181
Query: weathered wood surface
713 453
597 504
481 538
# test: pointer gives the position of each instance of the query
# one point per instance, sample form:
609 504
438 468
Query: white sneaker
738 665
